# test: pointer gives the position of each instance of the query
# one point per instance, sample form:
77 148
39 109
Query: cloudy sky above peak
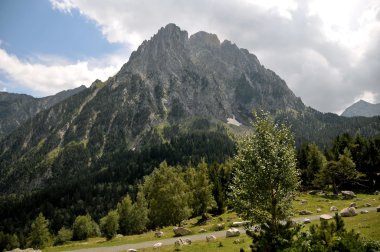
328 51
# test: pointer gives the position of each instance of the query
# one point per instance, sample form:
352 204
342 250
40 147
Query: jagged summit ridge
168 81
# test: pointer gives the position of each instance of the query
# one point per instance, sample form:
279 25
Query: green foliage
8 241
336 173
64 235
133 217
269 239
310 161
265 174
168 196
328 237
220 176
39 235
109 224
84 227
200 187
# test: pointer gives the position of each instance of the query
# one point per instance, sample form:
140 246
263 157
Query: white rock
210 238
157 245
325 217
348 212
232 232
333 209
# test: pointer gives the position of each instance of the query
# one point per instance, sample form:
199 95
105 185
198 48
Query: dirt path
170 241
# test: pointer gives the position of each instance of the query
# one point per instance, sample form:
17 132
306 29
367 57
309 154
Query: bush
84 227
8 241
110 224
64 235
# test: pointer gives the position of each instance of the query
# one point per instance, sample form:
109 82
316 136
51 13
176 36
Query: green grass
368 225
325 202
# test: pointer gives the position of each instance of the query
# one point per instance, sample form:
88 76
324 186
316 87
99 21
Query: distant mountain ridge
15 109
362 108
173 89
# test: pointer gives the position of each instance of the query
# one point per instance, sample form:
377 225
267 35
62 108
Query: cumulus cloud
326 51
48 74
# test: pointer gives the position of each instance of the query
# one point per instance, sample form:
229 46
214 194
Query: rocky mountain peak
204 39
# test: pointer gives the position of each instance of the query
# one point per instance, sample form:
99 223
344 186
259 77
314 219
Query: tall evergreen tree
39 236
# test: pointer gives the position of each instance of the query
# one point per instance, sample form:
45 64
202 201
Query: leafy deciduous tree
265 175
168 196
109 224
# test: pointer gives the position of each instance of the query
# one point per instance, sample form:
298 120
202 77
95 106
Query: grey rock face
362 108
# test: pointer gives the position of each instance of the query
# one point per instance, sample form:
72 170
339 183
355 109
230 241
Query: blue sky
328 52
34 32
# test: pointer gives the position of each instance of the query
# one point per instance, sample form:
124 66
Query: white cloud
51 75
367 96
320 47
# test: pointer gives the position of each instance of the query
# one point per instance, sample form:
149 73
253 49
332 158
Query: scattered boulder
319 210
316 192
348 212
119 236
232 232
367 205
159 234
377 193
353 204
210 238
239 223
305 212
333 209
187 241
348 194
181 231
306 221
364 211
378 209
157 245
325 217
132 250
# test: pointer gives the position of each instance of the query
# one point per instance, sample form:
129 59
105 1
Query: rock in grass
319 210
306 221
367 205
305 212
325 217
364 211
157 245
132 250
210 238
232 232
348 212
353 204
378 209
348 194
333 209
181 231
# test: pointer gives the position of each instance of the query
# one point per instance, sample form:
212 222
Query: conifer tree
39 236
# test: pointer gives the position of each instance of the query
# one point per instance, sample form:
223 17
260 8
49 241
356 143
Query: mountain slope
15 109
362 108
171 100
